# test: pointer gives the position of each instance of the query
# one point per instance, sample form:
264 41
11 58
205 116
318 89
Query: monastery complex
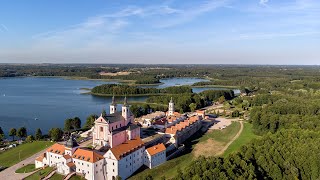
118 147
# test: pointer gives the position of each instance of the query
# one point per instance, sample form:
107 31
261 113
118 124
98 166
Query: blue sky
160 31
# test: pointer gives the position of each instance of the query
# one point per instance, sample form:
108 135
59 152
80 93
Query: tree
55 134
29 139
193 107
22 132
90 121
68 124
38 134
104 113
1 134
222 99
235 113
13 132
76 123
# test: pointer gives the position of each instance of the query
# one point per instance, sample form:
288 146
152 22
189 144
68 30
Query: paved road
9 173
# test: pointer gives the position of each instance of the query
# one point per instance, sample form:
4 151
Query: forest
120 89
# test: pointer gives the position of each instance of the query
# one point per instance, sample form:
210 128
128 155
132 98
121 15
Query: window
88 172
116 126
101 129
113 170
87 165
113 163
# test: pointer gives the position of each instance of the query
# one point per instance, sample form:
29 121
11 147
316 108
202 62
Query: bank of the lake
45 102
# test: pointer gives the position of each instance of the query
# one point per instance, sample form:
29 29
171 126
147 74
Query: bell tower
171 107
113 106
125 109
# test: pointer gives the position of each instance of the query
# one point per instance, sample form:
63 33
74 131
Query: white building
155 156
89 163
125 159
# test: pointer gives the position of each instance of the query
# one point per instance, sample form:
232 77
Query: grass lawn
27 168
223 136
77 178
40 174
169 169
11 157
245 137
57 176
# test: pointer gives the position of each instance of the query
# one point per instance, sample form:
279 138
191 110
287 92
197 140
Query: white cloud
264 2
189 14
4 28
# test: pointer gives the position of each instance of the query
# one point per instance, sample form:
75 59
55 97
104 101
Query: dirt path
233 139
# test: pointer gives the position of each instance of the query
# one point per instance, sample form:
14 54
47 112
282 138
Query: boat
36 119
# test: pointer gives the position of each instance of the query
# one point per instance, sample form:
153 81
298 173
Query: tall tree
1 134
38 134
29 139
22 132
193 107
68 125
76 123
90 120
13 132
55 134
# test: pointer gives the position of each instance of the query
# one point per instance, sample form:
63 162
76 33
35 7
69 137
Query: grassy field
245 137
57 176
21 152
170 168
40 174
77 178
27 168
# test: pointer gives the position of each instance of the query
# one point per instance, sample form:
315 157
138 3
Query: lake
46 102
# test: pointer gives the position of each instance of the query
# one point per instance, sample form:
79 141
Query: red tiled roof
182 125
126 147
67 156
87 155
162 121
70 164
57 149
156 149
40 158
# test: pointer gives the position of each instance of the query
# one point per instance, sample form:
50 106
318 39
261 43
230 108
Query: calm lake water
46 102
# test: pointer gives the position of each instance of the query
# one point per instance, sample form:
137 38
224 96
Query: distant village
122 144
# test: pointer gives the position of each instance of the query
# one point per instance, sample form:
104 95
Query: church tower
125 109
171 107
113 106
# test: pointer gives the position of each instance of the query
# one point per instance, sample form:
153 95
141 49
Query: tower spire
171 101
113 102
125 102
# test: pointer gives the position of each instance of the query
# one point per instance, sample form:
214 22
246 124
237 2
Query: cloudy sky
160 31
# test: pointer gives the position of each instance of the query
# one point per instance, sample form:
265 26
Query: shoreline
216 86
117 95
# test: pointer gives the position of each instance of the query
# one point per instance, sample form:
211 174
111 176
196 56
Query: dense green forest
288 154
119 89
183 101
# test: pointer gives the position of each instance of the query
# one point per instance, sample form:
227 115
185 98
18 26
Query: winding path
232 140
